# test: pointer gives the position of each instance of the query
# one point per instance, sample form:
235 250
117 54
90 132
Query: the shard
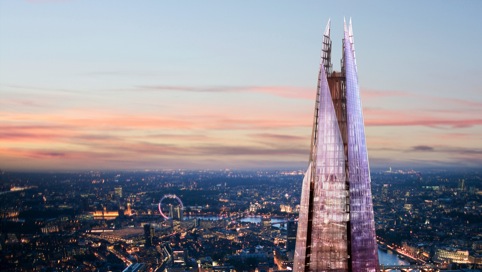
336 229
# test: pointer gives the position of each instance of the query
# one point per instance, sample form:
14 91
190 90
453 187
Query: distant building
254 207
291 235
462 184
385 192
128 211
105 215
135 267
452 255
149 233
118 192
176 212
286 208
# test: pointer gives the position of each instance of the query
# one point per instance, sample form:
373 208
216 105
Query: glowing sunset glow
124 85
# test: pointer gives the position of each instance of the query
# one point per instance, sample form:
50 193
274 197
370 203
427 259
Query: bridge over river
414 267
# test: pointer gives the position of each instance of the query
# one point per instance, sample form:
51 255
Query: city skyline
118 85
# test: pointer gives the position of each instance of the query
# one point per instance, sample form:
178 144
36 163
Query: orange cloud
200 132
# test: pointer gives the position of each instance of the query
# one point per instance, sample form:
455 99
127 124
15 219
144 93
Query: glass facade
363 240
336 226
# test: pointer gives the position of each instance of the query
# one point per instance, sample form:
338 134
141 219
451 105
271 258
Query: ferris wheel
169 196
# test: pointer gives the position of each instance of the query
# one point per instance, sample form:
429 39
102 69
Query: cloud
400 95
279 137
165 136
222 150
143 155
424 148
258 131
34 133
462 150
281 91
123 121
47 154
123 74
37 88
437 149
403 108
455 101
22 102
43 154
370 93
22 136
424 122
393 117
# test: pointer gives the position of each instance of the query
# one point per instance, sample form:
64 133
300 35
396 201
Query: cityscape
170 137
231 220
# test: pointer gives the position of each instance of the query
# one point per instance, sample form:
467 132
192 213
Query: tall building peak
336 229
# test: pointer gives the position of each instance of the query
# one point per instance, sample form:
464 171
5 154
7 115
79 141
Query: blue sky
230 84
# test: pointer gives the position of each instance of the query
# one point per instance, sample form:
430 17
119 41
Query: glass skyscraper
336 229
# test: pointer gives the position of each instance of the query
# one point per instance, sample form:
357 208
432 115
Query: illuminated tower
336 229
118 192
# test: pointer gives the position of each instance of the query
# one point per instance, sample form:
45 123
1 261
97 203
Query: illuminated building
118 192
128 211
336 229
105 215
452 255
286 208
385 192
171 211
178 213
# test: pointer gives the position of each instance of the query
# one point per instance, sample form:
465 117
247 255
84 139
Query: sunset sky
130 85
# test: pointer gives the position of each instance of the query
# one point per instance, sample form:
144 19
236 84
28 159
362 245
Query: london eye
166 197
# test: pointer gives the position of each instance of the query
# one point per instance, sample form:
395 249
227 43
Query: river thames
385 257
390 258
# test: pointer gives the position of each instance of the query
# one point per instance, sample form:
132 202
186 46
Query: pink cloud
384 117
107 136
34 133
450 137
409 96
204 119
279 137
424 122
370 94
288 92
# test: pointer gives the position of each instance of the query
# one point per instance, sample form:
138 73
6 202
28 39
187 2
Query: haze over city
213 84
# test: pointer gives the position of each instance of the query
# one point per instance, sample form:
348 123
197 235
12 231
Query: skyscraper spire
352 41
336 227
327 28
326 50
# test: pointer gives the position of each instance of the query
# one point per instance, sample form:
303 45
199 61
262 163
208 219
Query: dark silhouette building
291 228
148 234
